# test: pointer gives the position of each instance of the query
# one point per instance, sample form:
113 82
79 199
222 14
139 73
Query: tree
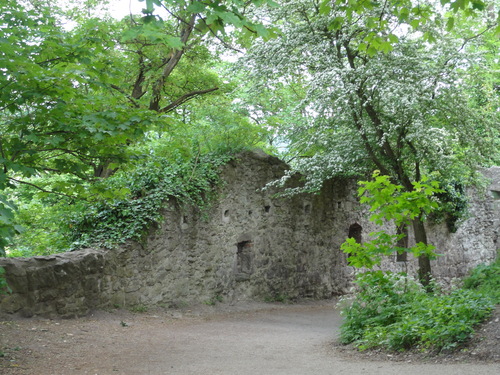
397 107
390 203
74 101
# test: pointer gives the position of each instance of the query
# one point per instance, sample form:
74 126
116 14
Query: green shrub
486 279
393 312
381 299
47 227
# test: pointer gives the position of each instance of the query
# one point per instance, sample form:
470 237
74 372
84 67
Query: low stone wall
66 284
249 245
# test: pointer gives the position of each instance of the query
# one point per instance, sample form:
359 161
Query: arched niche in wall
355 231
244 260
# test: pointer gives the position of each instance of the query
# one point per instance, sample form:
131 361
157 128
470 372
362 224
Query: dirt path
249 339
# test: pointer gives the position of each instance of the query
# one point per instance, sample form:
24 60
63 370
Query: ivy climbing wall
249 244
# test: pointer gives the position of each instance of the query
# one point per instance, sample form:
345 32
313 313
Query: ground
245 338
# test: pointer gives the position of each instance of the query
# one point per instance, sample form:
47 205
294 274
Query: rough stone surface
249 245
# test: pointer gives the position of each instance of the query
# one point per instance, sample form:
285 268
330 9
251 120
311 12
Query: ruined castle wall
250 244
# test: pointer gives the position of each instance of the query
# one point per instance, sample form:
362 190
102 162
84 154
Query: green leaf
261 30
149 7
196 7
450 23
478 5
231 18
393 38
174 42
325 7
336 23
362 48
386 47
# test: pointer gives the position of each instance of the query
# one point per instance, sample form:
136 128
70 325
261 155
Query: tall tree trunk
402 242
424 263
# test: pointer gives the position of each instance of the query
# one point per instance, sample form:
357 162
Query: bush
486 279
381 299
393 312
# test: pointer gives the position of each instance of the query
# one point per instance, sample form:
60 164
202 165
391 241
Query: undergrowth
486 279
393 311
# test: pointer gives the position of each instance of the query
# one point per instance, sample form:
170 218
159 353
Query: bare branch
467 40
42 189
131 99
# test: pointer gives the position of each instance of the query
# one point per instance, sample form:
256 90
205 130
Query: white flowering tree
396 103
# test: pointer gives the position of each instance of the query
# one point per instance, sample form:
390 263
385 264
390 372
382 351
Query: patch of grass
139 309
214 300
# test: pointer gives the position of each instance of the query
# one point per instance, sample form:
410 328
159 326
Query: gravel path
251 339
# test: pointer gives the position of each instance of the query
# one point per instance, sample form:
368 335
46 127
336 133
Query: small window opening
339 205
184 219
307 209
355 231
226 213
244 258
267 209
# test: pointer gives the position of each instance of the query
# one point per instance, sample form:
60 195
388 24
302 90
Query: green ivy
111 222
453 205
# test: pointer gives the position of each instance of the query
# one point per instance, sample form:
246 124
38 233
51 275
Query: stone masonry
249 245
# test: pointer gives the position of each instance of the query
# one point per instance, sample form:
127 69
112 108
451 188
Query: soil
246 338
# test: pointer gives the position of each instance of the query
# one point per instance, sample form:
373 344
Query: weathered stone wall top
63 284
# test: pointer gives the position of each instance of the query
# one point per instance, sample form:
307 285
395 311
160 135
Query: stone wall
249 245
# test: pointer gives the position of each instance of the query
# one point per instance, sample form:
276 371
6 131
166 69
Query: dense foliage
393 311
381 93
486 279
404 112
150 185
80 103
389 203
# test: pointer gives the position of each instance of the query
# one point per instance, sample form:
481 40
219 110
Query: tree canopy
341 87
386 95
